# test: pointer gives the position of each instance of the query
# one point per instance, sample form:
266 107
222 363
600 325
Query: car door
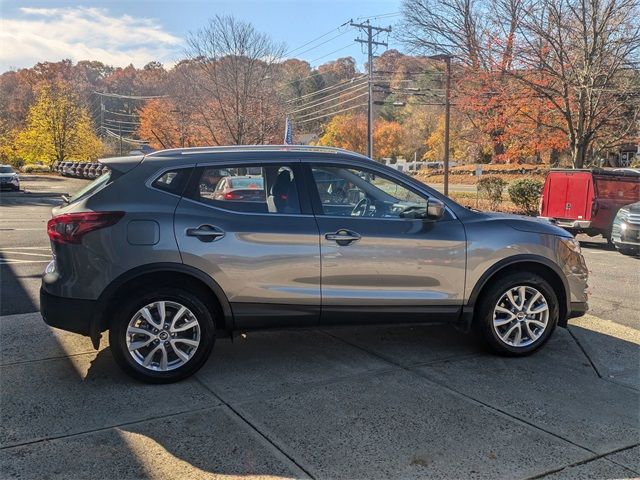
380 263
261 247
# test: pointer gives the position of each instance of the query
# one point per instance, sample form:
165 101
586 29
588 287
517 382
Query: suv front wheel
517 314
162 336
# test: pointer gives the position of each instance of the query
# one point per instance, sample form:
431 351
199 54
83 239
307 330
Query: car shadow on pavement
595 245
29 199
13 289
42 178
380 402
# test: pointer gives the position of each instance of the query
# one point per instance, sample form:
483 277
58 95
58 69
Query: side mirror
435 209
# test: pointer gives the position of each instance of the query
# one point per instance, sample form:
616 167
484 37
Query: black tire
138 300
483 319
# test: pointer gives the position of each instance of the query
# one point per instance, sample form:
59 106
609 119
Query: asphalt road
24 253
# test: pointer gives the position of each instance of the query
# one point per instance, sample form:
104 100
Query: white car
9 178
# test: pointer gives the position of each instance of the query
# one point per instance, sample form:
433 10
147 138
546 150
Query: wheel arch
518 263
161 273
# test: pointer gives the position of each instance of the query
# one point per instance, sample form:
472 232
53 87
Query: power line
120 113
132 141
330 114
333 106
325 42
129 97
331 53
382 15
332 87
122 121
329 98
315 39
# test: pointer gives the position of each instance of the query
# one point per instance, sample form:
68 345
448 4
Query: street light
446 58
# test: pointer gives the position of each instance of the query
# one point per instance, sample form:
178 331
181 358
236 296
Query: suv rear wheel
517 314
162 336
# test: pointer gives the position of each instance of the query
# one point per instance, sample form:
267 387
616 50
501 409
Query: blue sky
122 32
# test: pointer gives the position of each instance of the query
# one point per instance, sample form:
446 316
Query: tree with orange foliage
348 131
387 139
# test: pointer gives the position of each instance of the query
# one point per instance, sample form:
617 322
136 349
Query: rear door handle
205 233
343 237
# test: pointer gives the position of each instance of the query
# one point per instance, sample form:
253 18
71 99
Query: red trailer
586 201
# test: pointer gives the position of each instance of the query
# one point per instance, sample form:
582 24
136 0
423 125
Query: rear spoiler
122 164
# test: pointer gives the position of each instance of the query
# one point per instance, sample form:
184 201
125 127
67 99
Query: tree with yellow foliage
435 144
346 131
58 128
350 132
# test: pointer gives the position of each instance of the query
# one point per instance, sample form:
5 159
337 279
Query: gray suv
168 255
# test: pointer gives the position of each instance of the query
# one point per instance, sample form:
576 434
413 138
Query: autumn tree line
532 81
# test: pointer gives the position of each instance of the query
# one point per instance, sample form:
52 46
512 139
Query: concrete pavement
387 402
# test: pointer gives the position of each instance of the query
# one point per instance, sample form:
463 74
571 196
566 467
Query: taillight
71 227
232 196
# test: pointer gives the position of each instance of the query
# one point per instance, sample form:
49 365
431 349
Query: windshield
251 182
92 187
7 170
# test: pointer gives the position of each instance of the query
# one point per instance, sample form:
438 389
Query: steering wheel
361 208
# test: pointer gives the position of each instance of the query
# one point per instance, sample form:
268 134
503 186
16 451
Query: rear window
6 170
99 183
250 182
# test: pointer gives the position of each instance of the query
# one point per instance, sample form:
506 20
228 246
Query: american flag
288 132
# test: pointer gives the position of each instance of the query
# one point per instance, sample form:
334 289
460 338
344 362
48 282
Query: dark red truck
586 201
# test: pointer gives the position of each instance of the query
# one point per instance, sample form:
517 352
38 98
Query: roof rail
255 148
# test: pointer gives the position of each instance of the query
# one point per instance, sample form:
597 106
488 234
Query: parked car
85 169
625 233
586 201
101 169
146 253
241 188
71 169
92 170
9 179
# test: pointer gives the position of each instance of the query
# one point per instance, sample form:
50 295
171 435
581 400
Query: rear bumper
71 314
574 224
578 309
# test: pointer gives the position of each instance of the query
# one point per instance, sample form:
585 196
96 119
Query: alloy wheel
163 336
521 316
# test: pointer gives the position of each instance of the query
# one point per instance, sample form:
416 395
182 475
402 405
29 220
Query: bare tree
480 35
579 56
239 102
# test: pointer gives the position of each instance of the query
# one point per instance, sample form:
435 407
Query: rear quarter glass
93 187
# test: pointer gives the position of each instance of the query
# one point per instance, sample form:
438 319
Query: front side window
253 189
364 193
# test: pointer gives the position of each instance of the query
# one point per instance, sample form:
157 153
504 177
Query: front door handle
205 233
343 237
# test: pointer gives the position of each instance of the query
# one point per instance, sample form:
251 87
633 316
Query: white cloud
83 33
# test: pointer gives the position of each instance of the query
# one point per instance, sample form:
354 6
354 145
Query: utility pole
368 30
102 117
120 135
447 115
447 122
